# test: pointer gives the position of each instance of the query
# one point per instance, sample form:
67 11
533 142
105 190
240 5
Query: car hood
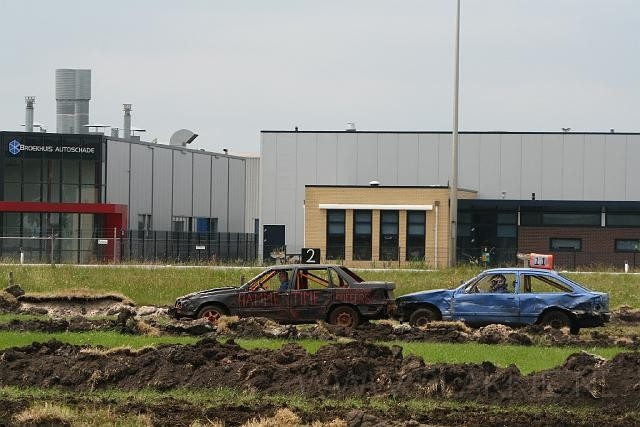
425 295
208 292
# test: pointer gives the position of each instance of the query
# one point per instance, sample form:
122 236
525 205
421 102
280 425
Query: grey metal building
503 167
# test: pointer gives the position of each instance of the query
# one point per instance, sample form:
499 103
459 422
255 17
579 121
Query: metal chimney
73 92
28 120
127 121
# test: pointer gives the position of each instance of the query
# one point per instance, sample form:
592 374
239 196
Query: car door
262 298
538 291
478 303
312 293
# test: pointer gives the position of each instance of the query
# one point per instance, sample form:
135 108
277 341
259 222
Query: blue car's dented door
481 303
541 290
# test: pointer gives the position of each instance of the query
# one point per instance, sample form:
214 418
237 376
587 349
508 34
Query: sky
227 69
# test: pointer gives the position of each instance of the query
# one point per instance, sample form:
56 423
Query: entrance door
273 242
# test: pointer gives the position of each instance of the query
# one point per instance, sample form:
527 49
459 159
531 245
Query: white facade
167 181
554 166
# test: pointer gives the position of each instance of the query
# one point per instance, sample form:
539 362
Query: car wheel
557 320
422 316
344 316
212 313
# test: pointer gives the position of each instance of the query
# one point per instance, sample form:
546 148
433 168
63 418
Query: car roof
291 266
519 269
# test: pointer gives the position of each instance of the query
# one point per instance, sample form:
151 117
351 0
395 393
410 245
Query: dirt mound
339 370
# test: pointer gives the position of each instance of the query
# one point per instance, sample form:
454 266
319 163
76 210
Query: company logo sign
14 147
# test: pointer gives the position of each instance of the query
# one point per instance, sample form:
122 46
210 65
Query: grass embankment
527 358
123 407
161 285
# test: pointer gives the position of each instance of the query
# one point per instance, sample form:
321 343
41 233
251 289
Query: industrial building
79 196
364 198
572 195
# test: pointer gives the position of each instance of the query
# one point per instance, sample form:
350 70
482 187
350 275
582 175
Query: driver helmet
498 281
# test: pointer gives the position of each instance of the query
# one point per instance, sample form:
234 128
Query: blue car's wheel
559 319
422 316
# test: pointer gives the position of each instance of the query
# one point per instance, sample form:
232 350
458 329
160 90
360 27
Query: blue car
510 296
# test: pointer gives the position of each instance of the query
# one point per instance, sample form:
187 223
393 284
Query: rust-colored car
307 293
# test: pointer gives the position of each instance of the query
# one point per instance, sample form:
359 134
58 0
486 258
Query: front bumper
589 319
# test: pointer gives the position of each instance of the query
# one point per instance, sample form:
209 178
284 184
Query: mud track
358 369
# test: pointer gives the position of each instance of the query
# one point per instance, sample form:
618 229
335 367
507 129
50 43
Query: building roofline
466 132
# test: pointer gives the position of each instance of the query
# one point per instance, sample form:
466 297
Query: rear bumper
374 312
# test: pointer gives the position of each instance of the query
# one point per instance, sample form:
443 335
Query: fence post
52 242
115 245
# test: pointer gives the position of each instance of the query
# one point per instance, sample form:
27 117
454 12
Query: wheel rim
212 316
422 321
344 319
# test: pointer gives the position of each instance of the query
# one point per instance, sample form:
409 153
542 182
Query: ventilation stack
73 92
28 119
126 130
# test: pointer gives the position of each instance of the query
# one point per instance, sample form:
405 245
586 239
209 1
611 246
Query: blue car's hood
425 295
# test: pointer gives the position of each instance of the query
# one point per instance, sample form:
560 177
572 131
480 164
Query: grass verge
527 358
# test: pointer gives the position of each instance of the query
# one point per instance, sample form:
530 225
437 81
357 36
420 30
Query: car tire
422 316
212 313
344 316
557 319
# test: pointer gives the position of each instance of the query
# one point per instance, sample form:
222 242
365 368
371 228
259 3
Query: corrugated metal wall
166 181
554 166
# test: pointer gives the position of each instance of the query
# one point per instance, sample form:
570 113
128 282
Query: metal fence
562 260
131 246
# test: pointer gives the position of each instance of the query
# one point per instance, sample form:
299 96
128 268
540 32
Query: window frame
557 248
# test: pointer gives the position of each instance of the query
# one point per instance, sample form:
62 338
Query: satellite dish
182 137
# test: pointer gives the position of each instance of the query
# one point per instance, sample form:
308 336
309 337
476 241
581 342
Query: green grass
526 358
96 338
161 285
90 407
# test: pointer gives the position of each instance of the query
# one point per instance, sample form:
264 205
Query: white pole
453 184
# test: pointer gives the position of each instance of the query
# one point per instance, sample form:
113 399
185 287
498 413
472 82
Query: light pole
453 182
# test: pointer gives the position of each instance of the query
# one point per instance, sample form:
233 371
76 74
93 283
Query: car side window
493 284
312 278
270 281
541 284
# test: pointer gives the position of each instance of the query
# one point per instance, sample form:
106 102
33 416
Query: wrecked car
510 296
295 293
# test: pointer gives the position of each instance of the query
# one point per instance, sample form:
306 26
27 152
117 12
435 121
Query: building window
179 224
144 226
571 218
623 220
389 235
362 235
335 234
565 245
207 225
627 245
416 226
585 219
52 180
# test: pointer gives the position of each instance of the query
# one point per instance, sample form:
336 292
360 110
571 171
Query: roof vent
182 137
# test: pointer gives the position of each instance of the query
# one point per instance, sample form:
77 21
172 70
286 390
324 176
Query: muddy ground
487 394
